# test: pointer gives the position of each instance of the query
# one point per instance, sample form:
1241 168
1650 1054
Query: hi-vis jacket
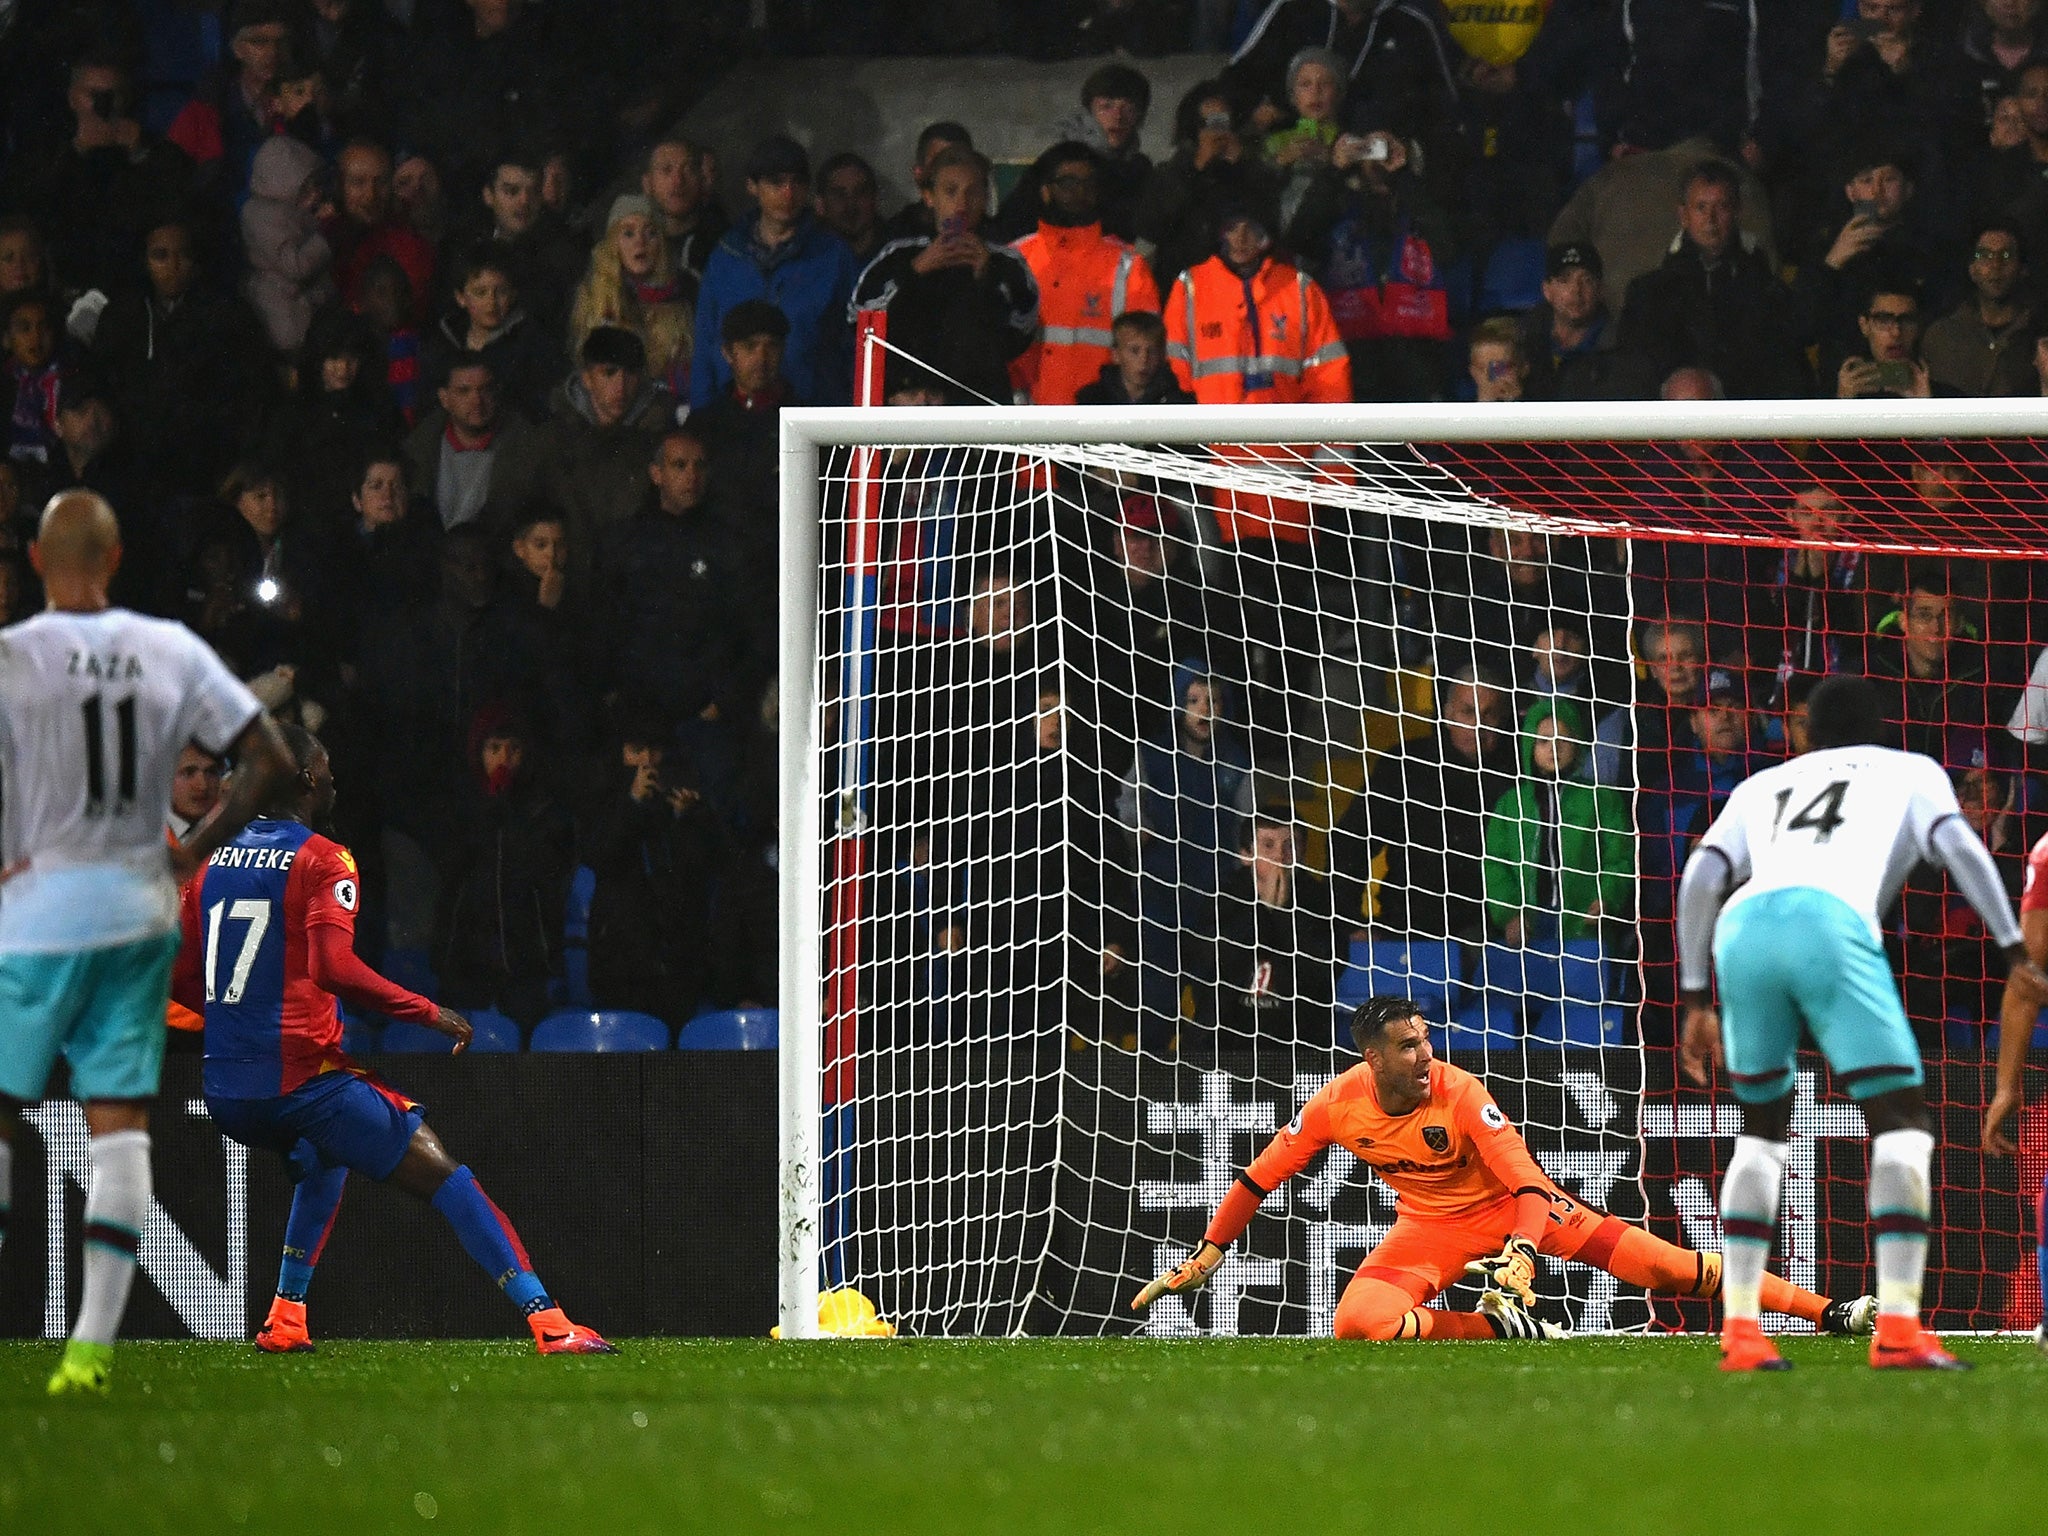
1263 339
1085 280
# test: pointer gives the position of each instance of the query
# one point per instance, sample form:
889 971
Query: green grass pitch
1207 1436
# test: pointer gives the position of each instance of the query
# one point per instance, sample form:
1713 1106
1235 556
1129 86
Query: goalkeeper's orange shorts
1424 1256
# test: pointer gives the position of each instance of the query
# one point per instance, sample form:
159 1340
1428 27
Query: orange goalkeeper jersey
1453 1155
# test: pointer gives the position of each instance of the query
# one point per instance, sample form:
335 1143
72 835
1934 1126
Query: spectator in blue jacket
781 253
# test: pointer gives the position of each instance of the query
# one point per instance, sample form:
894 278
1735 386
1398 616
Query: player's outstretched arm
2016 1015
262 762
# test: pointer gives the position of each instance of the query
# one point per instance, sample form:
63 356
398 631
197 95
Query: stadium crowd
437 387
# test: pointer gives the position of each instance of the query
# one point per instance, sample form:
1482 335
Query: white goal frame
805 431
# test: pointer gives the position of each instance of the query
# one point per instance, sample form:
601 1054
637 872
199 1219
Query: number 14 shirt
1851 821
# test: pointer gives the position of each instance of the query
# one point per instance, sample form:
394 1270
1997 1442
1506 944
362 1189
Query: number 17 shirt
247 918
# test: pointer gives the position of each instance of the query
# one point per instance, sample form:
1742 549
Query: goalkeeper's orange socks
1750 1193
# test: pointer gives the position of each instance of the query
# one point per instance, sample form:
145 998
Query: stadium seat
1424 970
413 1039
1513 280
1583 972
1486 1021
494 1031
1578 1022
737 1029
572 988
576 915
1525 974
582 1029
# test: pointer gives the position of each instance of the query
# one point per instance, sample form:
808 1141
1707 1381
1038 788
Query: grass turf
1218 1435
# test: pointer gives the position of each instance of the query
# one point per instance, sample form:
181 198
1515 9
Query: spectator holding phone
1878 238
1495 360
1889 364
100 190
962 307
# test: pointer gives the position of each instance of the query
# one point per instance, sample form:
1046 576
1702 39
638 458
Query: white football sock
113 1227
1750 1192
1899 1205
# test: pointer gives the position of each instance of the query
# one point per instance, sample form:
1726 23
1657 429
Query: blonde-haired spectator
632 284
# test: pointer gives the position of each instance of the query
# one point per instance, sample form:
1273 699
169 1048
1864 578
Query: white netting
1110 837
1141 766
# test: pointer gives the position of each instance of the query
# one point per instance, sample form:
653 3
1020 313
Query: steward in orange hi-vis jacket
1471 1198
1085 279
1245 327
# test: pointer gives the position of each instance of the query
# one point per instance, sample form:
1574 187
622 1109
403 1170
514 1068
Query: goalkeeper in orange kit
1472 1200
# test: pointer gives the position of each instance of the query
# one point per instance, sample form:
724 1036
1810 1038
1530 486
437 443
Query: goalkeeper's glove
1190 1276
1512 1270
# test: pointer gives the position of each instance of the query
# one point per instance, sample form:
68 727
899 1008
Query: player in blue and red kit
269 934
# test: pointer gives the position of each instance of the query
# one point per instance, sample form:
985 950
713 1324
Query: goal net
1127 752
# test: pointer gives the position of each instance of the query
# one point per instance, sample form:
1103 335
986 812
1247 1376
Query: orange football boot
284 1331
1744 1348
554 1334
1901 1344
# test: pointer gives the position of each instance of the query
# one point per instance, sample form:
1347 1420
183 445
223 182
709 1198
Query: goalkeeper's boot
1512 1320
85 1370
1744 1348
1906 1346
2041 1337
284 1330
1849 1319
554 1334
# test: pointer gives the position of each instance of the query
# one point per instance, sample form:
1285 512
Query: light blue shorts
1801 960
102 1008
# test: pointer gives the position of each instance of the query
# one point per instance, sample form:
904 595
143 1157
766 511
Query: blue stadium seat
738 1029
1580 1023
572 988
494 1031
414 1039
1486 1021
582 1029
1534 974
1583 972
1513 280
576 915
1427 971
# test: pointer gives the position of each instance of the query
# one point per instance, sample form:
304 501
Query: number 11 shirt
94 710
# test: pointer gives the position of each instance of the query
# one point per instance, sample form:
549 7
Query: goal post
966 1133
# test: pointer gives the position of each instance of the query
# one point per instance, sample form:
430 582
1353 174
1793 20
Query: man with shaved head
96 704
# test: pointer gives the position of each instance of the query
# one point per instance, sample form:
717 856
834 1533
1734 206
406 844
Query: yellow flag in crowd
1496 31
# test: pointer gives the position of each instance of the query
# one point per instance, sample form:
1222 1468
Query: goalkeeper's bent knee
1379 1311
